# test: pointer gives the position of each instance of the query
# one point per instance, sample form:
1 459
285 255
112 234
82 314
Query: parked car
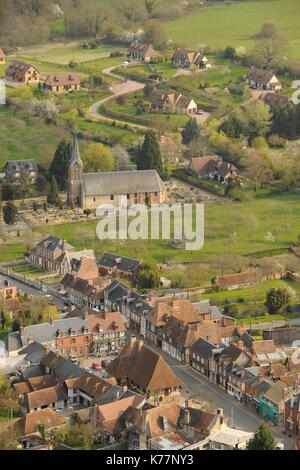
49 297
96 366
200 111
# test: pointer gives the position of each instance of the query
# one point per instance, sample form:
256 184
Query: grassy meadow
235 24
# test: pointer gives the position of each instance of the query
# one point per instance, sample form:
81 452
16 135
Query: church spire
75 156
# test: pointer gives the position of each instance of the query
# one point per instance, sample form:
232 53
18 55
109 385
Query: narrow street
236 413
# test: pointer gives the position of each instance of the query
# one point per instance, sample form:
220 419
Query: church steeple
75 156
75 176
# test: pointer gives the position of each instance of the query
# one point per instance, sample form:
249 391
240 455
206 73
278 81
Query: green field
27 137
234 24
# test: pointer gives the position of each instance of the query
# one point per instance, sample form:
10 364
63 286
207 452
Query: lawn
235 24
27 137
226 232
128 112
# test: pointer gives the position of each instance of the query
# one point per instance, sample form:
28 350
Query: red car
96 366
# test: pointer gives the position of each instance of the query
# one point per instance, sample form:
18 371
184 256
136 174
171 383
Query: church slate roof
123 182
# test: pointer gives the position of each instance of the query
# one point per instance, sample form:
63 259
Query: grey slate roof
260 76
34 352
62 367
21 165
203 348
122 263
116 291
53 243
47 332
35 370
122 182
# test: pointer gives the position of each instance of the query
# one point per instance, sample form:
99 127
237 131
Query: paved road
57 300
118 89
242 417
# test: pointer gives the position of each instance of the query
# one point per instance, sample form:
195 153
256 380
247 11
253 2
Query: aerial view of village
149 227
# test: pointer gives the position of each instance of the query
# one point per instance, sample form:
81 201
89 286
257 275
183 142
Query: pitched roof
263 347
122 182
53 243
155 418
119 262
278 392
110 412
34 352
48 332
21 165
144 367
261 76
41 382
63 79
93 385
105 322
63 368
30 423
20 67
203 166
203 348
44 397
238 278
163 308
83 286
143 49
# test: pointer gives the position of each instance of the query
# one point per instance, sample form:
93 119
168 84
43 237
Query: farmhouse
2 57
21 170
185 58
62 83
118 188
22 72
142 52
170 101
213 167
263 80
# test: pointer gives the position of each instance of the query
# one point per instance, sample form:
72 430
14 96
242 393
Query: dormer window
60 334
72 332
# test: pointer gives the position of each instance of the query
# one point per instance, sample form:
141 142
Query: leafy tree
147 277
231 310
60 164
37 310
257 120
276 298
53 197
8 192
98 157
233 126
10 213
155 34
190 132
268 30
229 53
269 52
149 157
262 440
258 167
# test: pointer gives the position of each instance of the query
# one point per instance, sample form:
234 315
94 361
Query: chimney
188 404
64 246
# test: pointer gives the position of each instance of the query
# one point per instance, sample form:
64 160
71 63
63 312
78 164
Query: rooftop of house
116 291
44 397
105 322
275 99
71 281
47 332
260 76
210 164
63 368
21 166
119 262
63 79
108 414
278 392
53 243
237 278
92 385
163 308
143 367
34 352
31 422
19 66
143 49
263 347
231 437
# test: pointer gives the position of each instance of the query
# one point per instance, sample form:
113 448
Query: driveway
117 89
202 118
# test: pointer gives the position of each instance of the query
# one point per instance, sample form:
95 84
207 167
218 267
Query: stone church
90 190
